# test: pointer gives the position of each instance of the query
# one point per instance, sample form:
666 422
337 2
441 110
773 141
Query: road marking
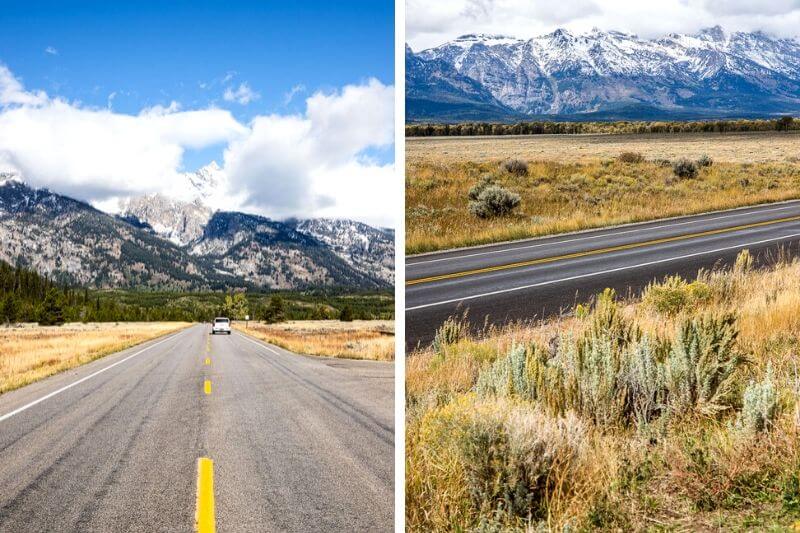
205 521
90 376
576 239
259 344
207 386
600 273
599 251
208 361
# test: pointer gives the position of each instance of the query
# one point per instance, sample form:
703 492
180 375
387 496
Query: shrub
675 294
630 157
760 405
485 181
684 168
516 167
450 332
507 376
700 366
494 201
704 161
515 457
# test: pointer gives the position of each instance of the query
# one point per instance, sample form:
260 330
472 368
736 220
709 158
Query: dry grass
30 353
359 339
695 473
755 147
577 182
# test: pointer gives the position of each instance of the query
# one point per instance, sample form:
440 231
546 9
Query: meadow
575 182
359 339
679 410
29 352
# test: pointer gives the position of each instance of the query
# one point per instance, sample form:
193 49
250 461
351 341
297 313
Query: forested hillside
26 296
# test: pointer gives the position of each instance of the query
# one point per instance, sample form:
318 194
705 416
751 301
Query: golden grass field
359 339
29 352
575 182
515 459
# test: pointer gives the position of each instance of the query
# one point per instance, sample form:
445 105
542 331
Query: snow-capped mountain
164 243
180 222
369 250
709 73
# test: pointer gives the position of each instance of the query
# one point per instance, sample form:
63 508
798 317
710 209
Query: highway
220 433
539 278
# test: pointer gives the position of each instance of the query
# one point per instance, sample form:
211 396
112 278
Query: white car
221 325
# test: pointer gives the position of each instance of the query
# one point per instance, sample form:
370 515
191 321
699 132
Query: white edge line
90 376
590 274
260 344
612 234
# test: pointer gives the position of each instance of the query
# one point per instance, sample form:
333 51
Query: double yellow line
598 251
205 520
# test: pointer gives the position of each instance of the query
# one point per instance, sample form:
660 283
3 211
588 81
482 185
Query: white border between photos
399 190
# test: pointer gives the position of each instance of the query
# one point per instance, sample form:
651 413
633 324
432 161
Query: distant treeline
784 123
27 296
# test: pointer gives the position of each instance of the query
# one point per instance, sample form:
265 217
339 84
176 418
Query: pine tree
346 314
52 312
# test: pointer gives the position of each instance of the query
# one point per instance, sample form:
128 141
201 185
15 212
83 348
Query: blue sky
141 54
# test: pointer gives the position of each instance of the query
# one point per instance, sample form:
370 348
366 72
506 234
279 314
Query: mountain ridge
71 240
710 73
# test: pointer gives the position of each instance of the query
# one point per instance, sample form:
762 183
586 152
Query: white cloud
242 95
304 165
432 23
294 91
51 50
313 164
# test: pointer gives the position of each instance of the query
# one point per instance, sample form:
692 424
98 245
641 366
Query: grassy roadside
569 186
30 353
359 339
674 412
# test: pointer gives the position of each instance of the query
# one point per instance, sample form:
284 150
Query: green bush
704 161
760 405
485 181
700 366
684 168
675 294
494 201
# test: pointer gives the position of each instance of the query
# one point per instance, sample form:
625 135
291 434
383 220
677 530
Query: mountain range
163 243
604 75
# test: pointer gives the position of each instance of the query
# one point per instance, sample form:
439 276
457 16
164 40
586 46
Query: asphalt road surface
297 443
537 278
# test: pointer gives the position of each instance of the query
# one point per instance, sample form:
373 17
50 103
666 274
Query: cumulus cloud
304 165
313 164
242 95
431 23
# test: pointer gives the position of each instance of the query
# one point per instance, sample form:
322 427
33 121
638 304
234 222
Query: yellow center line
598 251
208 361
205 522
207 386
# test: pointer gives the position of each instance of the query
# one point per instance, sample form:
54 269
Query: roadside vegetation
477 192
354 339
30 353
676 411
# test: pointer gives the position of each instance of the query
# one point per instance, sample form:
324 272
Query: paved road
536 278
297 443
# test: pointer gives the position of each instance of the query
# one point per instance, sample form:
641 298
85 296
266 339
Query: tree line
784 123
27 296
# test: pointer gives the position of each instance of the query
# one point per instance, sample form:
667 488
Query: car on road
221 325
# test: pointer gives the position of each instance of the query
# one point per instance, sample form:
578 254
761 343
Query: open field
576 182
359 339
679 411
30 352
